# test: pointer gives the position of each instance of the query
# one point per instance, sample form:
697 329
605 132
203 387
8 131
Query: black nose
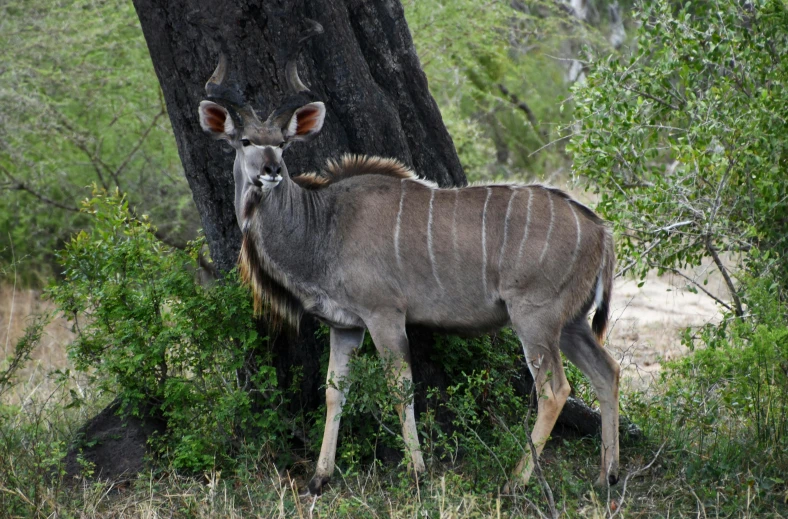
272 169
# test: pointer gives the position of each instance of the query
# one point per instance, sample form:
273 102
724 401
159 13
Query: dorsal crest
352 165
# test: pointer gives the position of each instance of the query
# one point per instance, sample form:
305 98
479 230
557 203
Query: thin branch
571 60
633 475
95 161
674 225
633 262
21 186
553 142
654 244
525 109
138 145
698 285
653 98
731 288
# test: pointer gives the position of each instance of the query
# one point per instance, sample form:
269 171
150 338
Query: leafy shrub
149 332
725 406
685 140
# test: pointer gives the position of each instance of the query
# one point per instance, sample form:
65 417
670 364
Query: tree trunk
364 67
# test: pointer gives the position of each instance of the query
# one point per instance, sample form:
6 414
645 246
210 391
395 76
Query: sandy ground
644 331
16 309
647 321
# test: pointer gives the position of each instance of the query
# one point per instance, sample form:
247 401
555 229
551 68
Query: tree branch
95 161
698 285
137 146
21 186
731 288
653 98
525 109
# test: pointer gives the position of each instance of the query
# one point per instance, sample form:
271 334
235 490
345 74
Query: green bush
150 333
724 407
80 103
685 140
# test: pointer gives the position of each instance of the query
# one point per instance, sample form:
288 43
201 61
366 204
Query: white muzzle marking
270 182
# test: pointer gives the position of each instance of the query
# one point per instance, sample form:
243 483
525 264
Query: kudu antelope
367 245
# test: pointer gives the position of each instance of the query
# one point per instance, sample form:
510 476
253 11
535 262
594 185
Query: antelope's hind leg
538 330
343 343
582 349
388 334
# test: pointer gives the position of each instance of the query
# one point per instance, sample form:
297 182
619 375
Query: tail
604 288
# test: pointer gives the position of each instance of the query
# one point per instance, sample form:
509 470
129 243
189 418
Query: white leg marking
506 228
454 229
399 222
549 228
484 242
527 224
429 242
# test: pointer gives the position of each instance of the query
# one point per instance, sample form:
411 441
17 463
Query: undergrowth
714 427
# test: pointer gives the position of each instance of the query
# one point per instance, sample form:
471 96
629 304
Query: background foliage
80 104
674 114
685 141
149 333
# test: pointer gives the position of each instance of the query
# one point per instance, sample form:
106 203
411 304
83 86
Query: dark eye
245 142
283 145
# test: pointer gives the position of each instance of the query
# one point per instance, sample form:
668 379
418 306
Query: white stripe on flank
549 228
506 229
577 242
399 222
429 242
527 224
454 229
484 242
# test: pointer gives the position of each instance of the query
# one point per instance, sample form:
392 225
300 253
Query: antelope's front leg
343 343
391 342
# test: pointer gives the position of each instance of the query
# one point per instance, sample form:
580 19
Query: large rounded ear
216 120
306 122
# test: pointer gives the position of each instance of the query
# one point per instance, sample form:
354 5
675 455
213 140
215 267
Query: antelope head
259 144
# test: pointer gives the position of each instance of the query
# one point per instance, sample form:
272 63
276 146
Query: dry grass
446 492
17 307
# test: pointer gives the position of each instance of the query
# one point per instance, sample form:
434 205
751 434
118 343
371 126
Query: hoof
316 485
513 486
604 482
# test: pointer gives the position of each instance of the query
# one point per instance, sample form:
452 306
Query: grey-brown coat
367 245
